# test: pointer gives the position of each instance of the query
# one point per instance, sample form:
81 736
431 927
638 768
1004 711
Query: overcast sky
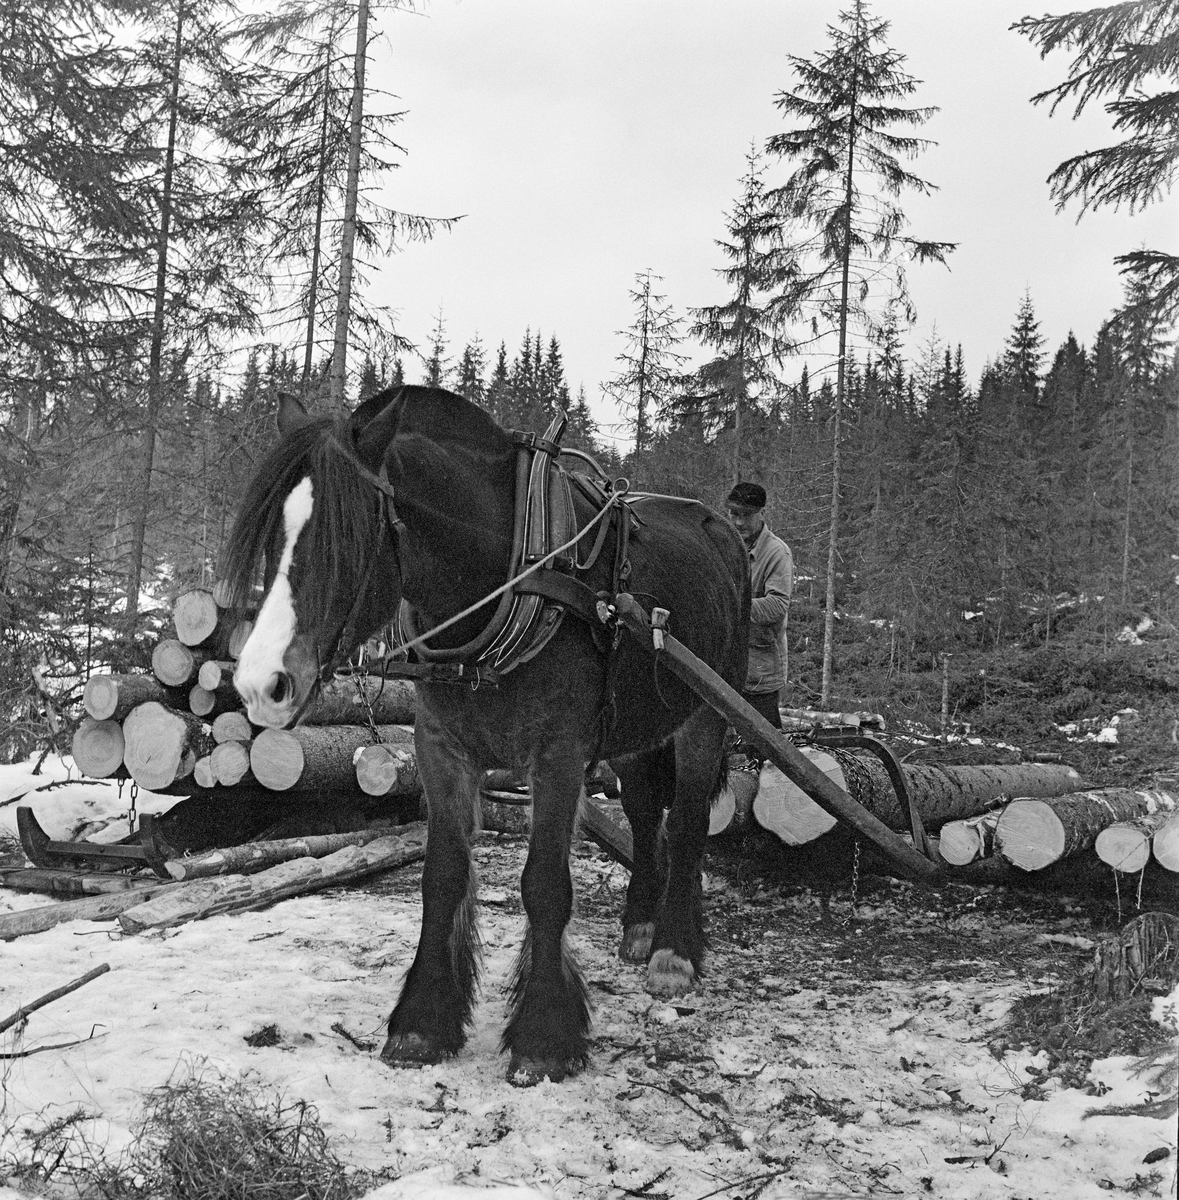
587 141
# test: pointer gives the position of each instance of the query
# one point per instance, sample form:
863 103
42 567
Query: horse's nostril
282 687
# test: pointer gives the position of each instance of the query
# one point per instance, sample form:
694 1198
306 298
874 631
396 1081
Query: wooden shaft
748 722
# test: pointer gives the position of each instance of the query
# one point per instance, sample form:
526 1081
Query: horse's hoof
669 975
636 942
528 1072
409 1050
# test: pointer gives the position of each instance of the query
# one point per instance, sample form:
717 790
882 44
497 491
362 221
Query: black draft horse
312 515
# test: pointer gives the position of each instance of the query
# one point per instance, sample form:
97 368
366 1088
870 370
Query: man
771 566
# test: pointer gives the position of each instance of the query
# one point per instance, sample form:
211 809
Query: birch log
1165 844
258 856
963 842
1032 834
1125 845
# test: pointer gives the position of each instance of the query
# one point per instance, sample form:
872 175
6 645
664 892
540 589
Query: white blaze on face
261 658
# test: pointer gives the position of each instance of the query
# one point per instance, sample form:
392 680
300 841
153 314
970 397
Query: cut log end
276 758
98 748
1030 835
195 616
173 662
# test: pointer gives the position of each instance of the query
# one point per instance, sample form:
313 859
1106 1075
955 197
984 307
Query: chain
131 808
855 879
360 678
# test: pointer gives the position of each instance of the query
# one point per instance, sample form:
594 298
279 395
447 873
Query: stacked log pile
181 730
1028 817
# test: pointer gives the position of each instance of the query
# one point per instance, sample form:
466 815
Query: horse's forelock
338 538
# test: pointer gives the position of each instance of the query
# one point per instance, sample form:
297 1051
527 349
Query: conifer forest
189 226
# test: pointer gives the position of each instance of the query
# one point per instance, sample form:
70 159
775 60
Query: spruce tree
1128 51
651 366
845 225
745 332
469 380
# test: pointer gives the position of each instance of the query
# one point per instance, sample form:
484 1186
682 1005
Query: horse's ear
291 413
372 442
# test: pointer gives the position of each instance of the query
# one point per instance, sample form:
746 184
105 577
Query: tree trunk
320 194
837 415
1033 834
156 353
348 234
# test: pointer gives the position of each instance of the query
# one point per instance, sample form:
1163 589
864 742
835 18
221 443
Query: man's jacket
771 566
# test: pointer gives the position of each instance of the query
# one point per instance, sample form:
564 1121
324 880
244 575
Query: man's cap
747 495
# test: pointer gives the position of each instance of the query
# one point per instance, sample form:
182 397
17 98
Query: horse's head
311 523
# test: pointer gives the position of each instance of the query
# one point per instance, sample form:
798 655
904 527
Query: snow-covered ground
788 1073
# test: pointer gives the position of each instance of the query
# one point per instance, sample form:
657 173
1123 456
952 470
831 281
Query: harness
542 584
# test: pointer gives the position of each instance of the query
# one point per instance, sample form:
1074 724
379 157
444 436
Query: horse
410 505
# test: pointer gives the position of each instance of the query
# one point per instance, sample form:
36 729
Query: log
173 662
232 727
214 673
195 616
98 748
809 717
383 770
230 763
941 794
221 594
1125 845
257 856
1165 844
93 908
316 756
203 774
57 881
112 697
211 703
785 809
157 741
1033 834
393 701
967 841
199 898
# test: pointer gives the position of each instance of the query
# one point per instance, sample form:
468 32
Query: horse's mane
343 522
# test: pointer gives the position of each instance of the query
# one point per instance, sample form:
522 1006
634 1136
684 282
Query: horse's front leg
547 1034
432 1016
